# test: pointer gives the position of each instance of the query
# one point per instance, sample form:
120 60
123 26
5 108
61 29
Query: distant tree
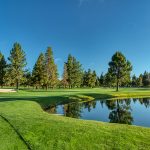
38 72
3 66
140 81
27 79
146 79
51 75
101 80
109 80
134 81
85 79
17 64
119 68
69 65
93 80
97 82
65 77
75 72
89 78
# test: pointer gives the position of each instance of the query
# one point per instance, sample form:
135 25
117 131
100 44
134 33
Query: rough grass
43 131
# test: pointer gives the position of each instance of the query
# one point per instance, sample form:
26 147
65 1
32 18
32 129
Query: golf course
25 125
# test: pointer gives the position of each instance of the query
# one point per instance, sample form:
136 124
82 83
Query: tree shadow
45 101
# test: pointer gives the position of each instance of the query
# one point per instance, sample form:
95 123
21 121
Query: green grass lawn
27 124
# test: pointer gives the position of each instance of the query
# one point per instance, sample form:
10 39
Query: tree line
44 74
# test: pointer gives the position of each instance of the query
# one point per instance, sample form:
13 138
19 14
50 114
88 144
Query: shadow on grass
45 101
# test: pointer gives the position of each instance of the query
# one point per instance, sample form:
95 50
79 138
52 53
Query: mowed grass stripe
19 135
9 140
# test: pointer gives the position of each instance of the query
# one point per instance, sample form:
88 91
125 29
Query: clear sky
91 30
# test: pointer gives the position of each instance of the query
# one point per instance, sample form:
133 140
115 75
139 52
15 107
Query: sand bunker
7 90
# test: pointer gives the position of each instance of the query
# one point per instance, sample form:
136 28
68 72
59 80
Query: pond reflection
127 111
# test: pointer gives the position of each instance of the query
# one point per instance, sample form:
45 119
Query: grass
43 131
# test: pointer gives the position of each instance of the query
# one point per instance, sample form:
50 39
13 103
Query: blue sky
91 30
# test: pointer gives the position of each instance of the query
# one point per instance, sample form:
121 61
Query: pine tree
69 65
93 80
3 66
17 64
101 80
119 68
140 80
146 79
38 72
85 79
75 73
134 81
51 75
65 77
27 79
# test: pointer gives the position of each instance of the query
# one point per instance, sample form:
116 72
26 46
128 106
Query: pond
127 111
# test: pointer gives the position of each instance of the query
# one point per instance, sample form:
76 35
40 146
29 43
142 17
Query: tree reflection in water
72 110
119 111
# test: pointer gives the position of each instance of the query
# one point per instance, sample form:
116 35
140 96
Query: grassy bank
43 131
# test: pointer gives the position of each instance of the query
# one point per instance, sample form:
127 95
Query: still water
127 111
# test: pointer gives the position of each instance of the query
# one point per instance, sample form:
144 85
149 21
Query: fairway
41 130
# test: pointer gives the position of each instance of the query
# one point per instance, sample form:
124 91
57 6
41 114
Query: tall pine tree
38 72
51 75
3 66
119 68
17 64
75 72
65 77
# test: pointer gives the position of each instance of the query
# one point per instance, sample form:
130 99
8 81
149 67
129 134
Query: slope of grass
43 131
9 140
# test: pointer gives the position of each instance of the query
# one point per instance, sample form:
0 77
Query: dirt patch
7 90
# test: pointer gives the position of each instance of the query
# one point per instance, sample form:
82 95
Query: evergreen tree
140 81
65 77
38 72
75 73
85 79
109 80
3 66
97 82
27 79
93 80
146 79
69 65
51 75
17 64
134 81
101 80
89 78
119 68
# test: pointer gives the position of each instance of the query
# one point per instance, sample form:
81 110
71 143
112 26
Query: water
127 111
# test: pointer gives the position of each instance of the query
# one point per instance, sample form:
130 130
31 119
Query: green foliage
3 66
90 79
50 70
64 80
119 68
146 79
17 63
75 72
101 80
38 72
